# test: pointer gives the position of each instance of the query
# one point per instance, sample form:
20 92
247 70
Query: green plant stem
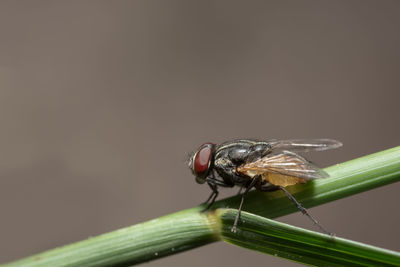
139 243
301 245
189 228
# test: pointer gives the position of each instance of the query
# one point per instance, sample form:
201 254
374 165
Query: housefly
265 165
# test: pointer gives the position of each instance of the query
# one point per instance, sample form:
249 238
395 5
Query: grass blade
301 245
131 245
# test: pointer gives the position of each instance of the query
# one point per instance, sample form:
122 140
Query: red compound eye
202 159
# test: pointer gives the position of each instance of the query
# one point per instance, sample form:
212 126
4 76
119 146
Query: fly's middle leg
253 182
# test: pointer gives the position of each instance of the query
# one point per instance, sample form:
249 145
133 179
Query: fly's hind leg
253 182
268 187
304 211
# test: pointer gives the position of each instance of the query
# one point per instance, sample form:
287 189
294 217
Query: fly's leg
253 182
212 197
304 211
268 188
240 190
213 183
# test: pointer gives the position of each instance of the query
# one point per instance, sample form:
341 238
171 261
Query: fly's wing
305 145
283 168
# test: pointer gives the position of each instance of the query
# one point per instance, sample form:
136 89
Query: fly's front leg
212 197
213 183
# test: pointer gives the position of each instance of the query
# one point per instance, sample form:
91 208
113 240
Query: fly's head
201 162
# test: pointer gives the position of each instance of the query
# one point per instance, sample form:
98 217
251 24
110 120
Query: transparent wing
285 163
305 145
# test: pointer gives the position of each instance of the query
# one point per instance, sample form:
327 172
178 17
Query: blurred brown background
101 101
